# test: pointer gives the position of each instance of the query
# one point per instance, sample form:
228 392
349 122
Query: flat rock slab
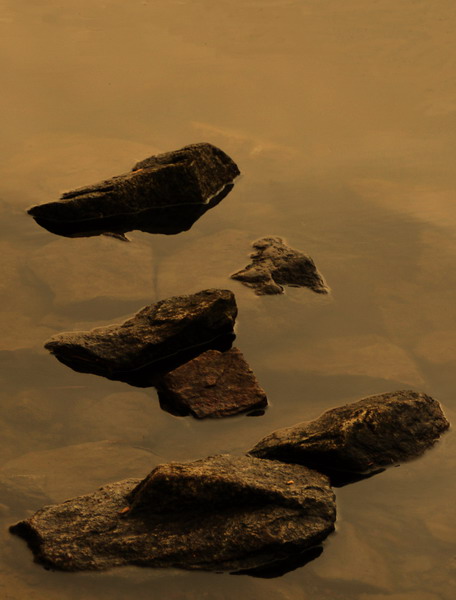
165 193
156 333
360 438
214 384
274 265
221 513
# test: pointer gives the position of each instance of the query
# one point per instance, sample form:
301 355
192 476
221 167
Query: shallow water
340 116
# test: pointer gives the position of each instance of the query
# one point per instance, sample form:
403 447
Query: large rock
274 265
221 513
156 334
213 384
360 438
165 193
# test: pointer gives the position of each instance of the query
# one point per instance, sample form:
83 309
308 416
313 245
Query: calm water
341 116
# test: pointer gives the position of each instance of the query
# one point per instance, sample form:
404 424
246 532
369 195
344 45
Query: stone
223 513
165 194
360 438
213 384
274 265
156 334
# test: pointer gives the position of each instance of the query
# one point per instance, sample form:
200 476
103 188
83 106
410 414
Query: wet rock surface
222 513
274 264
360 438
155 336
214 384
165 194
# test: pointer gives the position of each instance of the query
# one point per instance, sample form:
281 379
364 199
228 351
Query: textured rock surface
214 384
221 513
155 333
166 193
274 265
360 438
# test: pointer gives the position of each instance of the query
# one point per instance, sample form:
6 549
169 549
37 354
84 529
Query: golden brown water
341 116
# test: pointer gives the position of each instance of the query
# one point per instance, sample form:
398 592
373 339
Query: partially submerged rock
221 513
360 438
157 334
165 194
274 265
214 384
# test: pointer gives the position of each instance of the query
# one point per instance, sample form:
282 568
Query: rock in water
166 194
274 265
214 384
155 334
221 513
360 438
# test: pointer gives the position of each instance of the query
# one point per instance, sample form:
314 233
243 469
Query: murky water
341 116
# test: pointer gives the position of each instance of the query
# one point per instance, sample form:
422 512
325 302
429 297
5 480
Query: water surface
340 116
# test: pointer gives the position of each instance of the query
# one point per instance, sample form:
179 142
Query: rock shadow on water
283 565
166 194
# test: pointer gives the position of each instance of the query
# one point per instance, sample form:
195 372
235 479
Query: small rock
165 193
360 438
214 384
274 264
221 513
157 332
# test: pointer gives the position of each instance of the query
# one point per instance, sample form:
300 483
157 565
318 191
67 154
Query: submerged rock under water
139 348
361 438
165 194
222 513
274 264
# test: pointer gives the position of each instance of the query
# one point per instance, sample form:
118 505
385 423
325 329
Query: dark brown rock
222 513
145 342
214 384
360 438
274 265
166 194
